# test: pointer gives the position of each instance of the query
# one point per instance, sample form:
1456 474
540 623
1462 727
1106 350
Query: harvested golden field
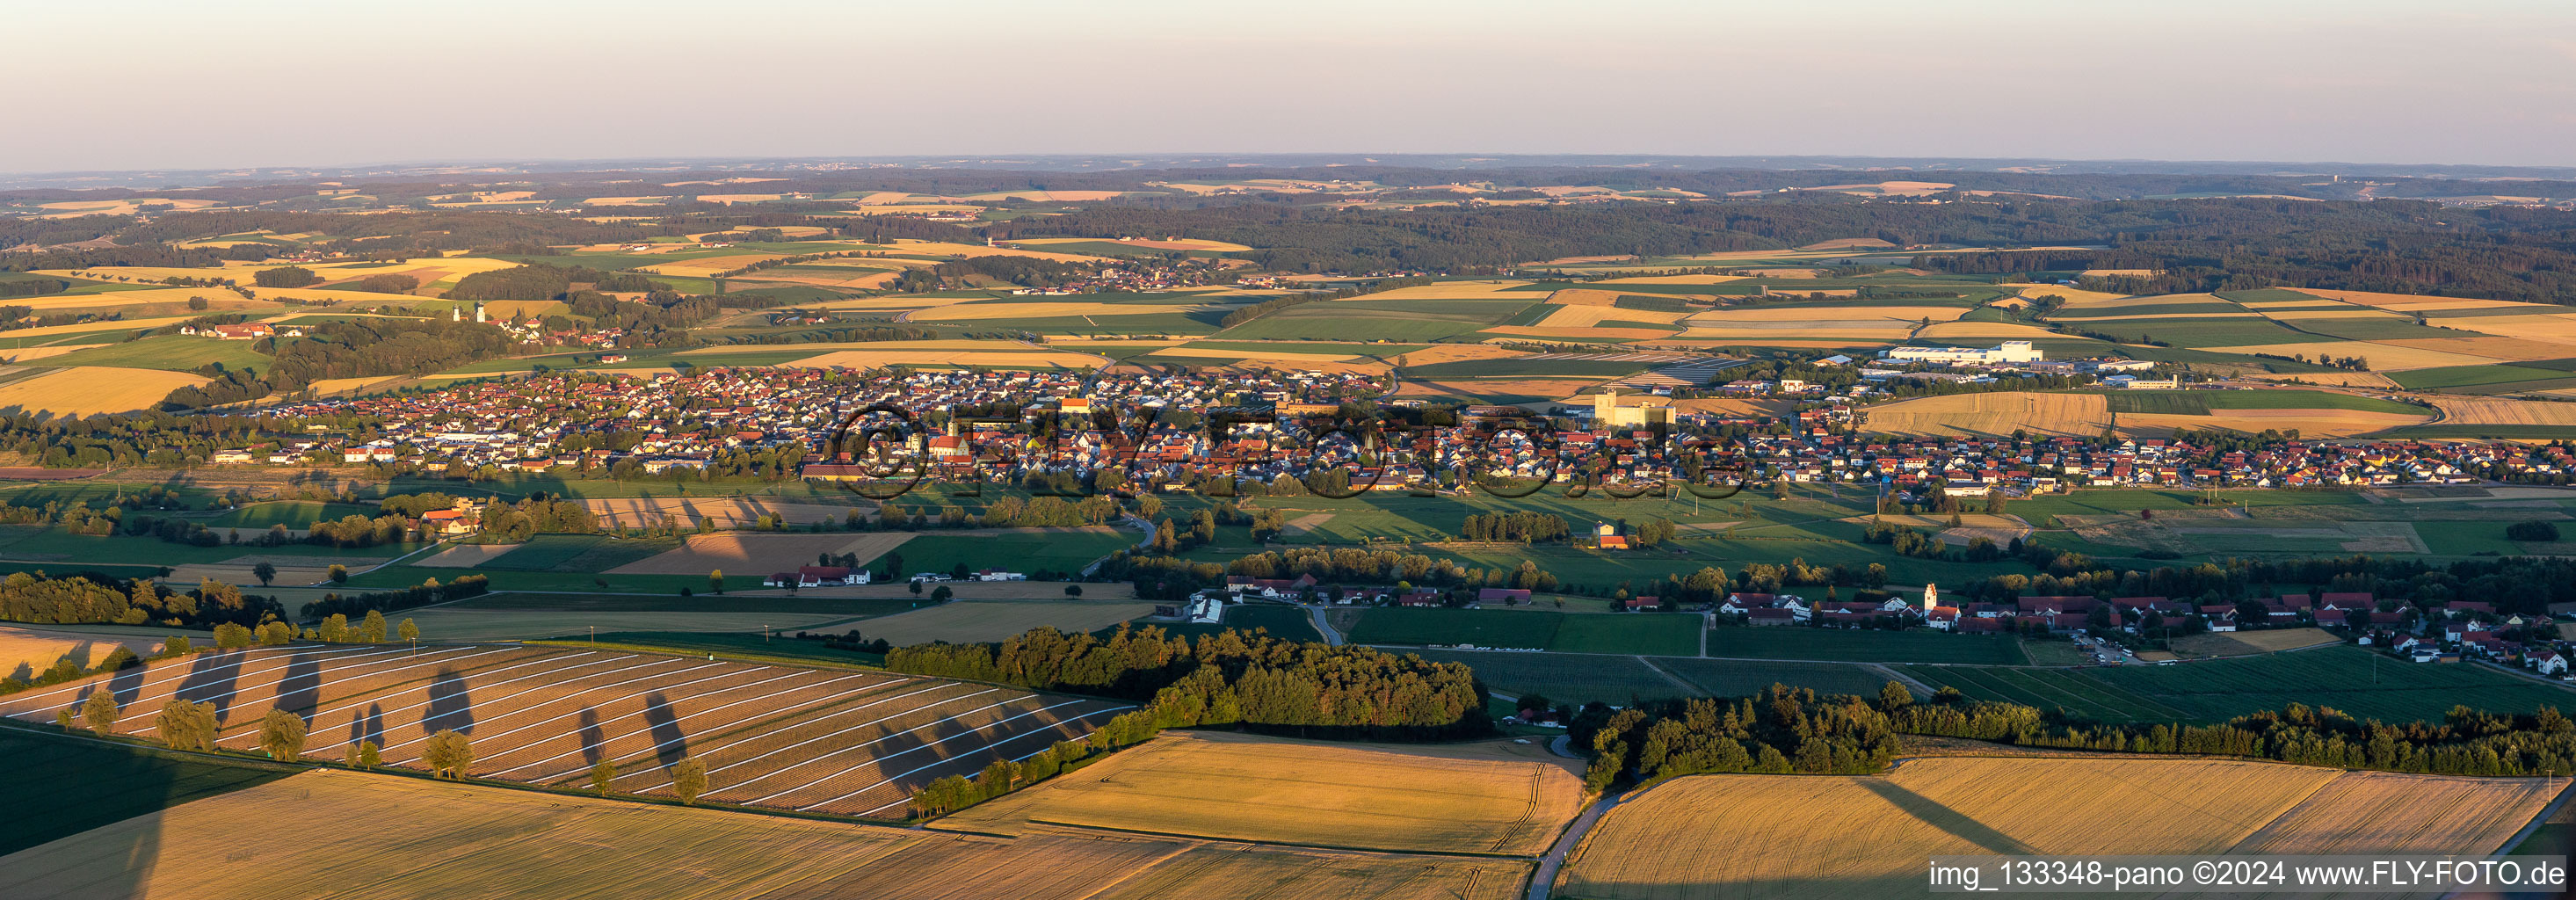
119 327
1996 330
2488 411
1889 188
31 354
2382 357
1867 836
1457 290
1440 353
2344 379
2092 300
415 838
1591 308
2551 328
2312 423
1720 406
726 512
862 279
452 624
2391 812
759 554
2492 346
1015 309
1494 797
26 651
943 344
1858 312
2076 299
331 386
1716 339
1278 356
2075 415
85 390
2248 643
2414 302
1495 388
119 207
1672 279
1542 331
1032 359
2298 315
148 301
978 620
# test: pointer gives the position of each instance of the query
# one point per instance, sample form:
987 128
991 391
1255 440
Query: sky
185 84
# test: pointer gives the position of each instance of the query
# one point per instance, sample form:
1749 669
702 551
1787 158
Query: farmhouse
817 576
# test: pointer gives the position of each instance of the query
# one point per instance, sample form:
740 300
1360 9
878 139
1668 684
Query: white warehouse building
2007 352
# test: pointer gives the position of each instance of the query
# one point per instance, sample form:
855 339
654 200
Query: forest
1291 687
1784 729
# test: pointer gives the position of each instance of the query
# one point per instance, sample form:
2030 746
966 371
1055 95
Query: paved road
1331 637
1543 882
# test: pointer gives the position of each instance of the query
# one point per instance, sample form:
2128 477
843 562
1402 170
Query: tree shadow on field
672 743
128 684
451 707
210 675
1934 813
301 689
368 727
592 739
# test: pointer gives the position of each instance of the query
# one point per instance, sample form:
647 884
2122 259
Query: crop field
2077 693
28 650
1854 836
760 554
1494 797
424 838
1403 320
814 740
975 621
1853 645
290 513
1744 677
1990 414
79 785
448 623
1658 634
93 389
2351 679
1287 623
2392 812
726 512
1028 551
1564 677
178 353
2247 643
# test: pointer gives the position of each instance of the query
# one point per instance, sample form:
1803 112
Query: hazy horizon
301 83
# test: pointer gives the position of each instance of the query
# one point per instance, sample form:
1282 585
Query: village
1168 435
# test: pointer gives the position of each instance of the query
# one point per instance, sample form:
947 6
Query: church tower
1931 597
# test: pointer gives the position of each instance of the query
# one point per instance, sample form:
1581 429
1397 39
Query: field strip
149 684
1020 758
586 698
320 680
351 704
874 760
346 662
711 750
425 722
604 742
892 778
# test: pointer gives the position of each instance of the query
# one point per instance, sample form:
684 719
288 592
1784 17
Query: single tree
689 779
229 636
281 735
370 755
99 711
1073 590
447 754
264 572
65 717
601 775
410 632
916 589
335 630
339 574
373 629
715 580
